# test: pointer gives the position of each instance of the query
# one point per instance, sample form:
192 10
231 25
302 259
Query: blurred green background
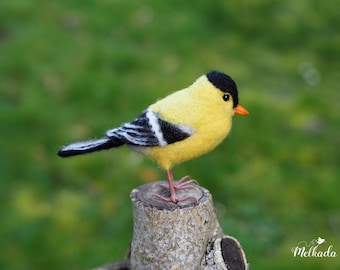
70 70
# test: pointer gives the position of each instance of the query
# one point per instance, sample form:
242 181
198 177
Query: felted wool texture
182 126
200 107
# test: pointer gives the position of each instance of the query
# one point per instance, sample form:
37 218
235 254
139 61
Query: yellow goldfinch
177 128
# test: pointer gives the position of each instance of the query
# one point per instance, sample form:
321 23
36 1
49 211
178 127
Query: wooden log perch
182 236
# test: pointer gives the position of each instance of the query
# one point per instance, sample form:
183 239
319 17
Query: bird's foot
183 183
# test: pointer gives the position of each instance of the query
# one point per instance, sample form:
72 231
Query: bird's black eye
226 97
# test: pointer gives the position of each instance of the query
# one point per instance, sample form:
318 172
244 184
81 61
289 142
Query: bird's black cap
225 83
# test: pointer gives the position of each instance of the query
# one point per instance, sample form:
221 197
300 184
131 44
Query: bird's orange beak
240 110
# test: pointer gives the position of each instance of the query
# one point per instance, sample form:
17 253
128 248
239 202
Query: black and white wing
150 130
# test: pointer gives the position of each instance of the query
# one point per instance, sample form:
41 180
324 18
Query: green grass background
70 70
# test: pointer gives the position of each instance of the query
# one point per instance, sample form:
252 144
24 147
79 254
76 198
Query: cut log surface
172 235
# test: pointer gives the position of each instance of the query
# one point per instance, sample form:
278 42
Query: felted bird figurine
184 125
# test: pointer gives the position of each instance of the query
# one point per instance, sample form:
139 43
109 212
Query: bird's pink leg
173 195
172 185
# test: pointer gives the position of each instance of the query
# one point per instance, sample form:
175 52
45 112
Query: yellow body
202 108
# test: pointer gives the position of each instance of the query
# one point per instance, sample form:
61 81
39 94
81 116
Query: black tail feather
80 148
